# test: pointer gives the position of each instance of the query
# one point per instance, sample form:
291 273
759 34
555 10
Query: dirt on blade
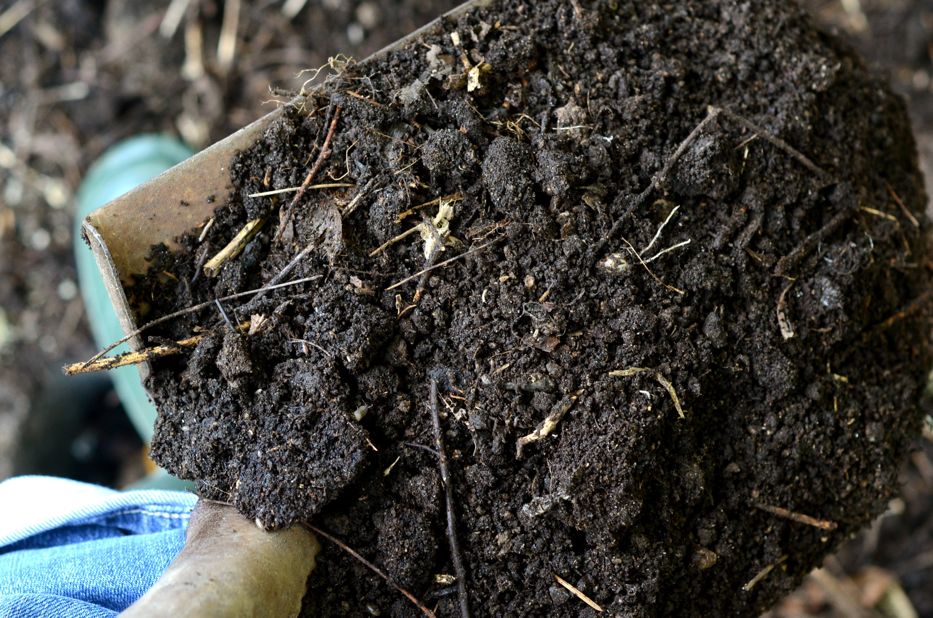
676 365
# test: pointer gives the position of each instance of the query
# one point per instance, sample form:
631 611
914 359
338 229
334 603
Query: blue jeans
73 549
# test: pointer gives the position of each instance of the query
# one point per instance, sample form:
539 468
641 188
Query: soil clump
663 332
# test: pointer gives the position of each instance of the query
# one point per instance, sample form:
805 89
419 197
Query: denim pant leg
72 549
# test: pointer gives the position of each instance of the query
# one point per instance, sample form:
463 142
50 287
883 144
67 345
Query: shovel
228 566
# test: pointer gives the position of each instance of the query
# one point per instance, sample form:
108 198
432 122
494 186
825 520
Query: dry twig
192 309
822 524
577 593
763 573
234 247
372 567
455 555
442 264
286 215
548 425
133 358
772 139
632 371
810 242
787 329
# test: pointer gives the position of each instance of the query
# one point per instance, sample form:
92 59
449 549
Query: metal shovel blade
181 200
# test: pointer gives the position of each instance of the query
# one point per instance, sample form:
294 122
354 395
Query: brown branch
442 264
455 555
773 140
192 309
822 524
133 358
372 567
810 242
288 213
234 247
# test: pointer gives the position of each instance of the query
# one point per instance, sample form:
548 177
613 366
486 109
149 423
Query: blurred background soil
76 76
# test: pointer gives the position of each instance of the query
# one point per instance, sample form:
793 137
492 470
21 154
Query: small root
900 203
763 573
633 371
455 555
372 567
442 264
285 216
326 185
650 272
657 234
822 524
663 252
578 593
787 329
548 425
234 247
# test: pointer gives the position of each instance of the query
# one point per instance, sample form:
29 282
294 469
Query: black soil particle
748 338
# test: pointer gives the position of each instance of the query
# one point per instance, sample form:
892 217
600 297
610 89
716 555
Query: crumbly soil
77 76
779 314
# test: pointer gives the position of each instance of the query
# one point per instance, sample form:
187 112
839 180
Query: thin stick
355 202
141 356
897 199
372 567
763 573
650 272
422 447
234 247
656 181
301 255
223 314
657 234
577 593
773 140
292 8
192 309
16 13
810 242
173 14
326 185
442 264
133 358
455 554
396 239
322 156
453 197
203 252
915 306
548 425
822 524
633 371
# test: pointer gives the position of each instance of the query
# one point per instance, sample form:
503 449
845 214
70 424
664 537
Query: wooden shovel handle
229 567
